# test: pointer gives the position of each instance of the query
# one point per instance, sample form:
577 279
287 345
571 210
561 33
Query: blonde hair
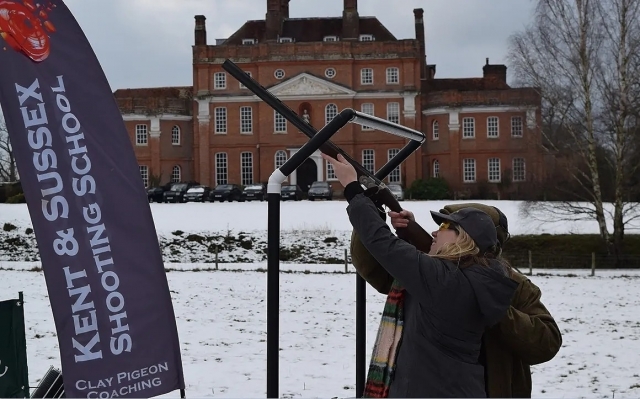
465 251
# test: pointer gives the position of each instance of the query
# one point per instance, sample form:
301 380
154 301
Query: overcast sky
147 43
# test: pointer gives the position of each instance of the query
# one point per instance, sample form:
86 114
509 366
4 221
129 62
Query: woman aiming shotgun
430 339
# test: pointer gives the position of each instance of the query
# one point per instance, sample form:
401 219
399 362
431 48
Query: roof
467 84
309 29
156 92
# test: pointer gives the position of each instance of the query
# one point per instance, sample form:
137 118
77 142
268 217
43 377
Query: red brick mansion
479 130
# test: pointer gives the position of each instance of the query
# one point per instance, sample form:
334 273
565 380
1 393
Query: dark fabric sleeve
419 273
528 329
368 267
352 190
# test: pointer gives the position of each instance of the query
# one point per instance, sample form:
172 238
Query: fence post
530 264
216 257
593 264
346 264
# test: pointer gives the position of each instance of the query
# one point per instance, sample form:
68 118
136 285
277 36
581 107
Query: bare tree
8 169
583 56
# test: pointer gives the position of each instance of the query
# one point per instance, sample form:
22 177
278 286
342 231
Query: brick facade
318 67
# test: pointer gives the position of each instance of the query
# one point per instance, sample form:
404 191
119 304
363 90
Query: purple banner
100 253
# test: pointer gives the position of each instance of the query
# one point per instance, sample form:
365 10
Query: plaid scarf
385 350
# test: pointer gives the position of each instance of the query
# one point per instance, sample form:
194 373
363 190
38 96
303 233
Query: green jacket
528 335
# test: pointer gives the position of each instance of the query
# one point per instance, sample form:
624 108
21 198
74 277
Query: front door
306 174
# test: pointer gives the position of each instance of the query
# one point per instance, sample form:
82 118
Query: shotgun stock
413 233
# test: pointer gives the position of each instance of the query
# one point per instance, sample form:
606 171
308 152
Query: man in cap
526 336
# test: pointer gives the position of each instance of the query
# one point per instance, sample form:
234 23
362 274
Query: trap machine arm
381 195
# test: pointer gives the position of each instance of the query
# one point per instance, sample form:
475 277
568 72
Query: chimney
497 71
419 22
200 31
274 19
284 7
350 20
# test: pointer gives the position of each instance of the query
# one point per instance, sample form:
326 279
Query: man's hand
401 219
344 171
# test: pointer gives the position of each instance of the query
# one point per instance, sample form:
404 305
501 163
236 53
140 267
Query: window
492 127
436 168
221 120
435 130
518 169
393 112
366 76
331 174
468 128
246 168
176 174
366 38
494 170
246 120
393 76
141 135
516 126
286 40
144 173
281 158
280 124
330 39
243 86
469 170
221 168
394 176
220 80
330 112
330 73
248 41
279 73
367 108
368 160
175 135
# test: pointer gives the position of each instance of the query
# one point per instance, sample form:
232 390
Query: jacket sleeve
368 267
419 273
528 329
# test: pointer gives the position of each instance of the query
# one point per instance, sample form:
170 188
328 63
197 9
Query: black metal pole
361 334
273 243
273 293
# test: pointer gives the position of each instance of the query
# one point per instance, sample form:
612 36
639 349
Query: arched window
176 174
436 168
175 135
281 158
330 112
435 130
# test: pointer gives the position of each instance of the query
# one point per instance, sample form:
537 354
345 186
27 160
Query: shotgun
381 195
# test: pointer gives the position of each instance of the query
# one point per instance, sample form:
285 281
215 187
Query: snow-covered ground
222 322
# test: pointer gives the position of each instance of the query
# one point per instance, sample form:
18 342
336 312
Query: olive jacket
526 336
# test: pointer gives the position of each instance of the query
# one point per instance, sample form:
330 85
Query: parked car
254 192
156 194
197 194
225 192
177 191
290 191
397 191
320 189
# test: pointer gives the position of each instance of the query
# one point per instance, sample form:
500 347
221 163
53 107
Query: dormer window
248 41
366 38
330 39
286 40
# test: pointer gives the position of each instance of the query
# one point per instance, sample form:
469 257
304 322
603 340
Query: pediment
309 85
